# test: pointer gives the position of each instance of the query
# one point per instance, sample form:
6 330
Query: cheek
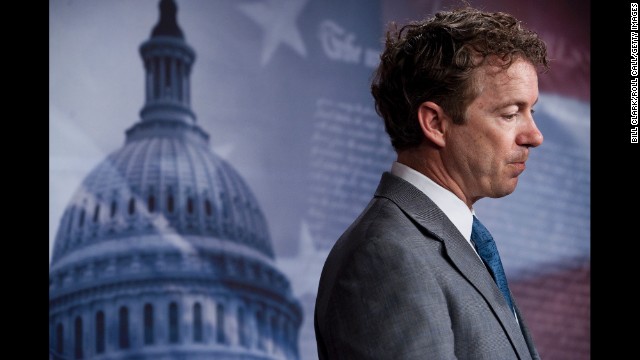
486 158
480 147
494 148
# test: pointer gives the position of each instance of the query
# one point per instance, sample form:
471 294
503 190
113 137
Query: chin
500 194
508 191
505 190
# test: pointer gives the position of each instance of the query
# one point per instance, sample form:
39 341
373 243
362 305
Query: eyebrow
519 104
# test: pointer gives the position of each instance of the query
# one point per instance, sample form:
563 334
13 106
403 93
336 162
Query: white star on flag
277 18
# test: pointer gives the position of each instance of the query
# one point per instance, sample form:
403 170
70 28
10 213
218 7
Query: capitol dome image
164 252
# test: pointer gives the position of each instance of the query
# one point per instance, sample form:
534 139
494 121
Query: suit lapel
526 333
419 207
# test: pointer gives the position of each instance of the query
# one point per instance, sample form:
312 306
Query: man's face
487 153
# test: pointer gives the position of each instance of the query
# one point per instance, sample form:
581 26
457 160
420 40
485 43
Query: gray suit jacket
403 283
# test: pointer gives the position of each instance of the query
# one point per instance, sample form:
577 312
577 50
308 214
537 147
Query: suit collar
420 208
451 205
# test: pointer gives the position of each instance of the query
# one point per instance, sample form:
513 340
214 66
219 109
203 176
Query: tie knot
479 233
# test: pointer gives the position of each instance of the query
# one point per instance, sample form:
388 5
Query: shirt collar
452 206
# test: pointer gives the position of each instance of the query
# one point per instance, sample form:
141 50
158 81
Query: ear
432 122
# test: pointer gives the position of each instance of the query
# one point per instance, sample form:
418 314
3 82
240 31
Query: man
412 278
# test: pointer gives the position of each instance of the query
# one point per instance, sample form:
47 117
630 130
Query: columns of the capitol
185 320
160 80
232 327
156 78
148 64
161 314
178 85
135 323
171 84
111 325
187 87
268 329
184 84
207 316
252 325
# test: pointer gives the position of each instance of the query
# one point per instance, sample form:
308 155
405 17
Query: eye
510 116
533 111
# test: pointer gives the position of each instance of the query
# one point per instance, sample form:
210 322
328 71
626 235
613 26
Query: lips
520 166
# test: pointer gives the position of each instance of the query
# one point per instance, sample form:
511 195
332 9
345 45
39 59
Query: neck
427 160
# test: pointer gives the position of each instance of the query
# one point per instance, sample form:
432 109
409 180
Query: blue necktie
488 251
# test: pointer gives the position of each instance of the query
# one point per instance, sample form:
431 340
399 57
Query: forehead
520 74
497 87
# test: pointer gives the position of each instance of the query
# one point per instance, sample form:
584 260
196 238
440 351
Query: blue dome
165 225
163 183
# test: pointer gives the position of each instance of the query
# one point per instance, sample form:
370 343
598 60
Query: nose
529 135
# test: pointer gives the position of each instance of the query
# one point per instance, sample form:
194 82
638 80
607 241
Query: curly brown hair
434 59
